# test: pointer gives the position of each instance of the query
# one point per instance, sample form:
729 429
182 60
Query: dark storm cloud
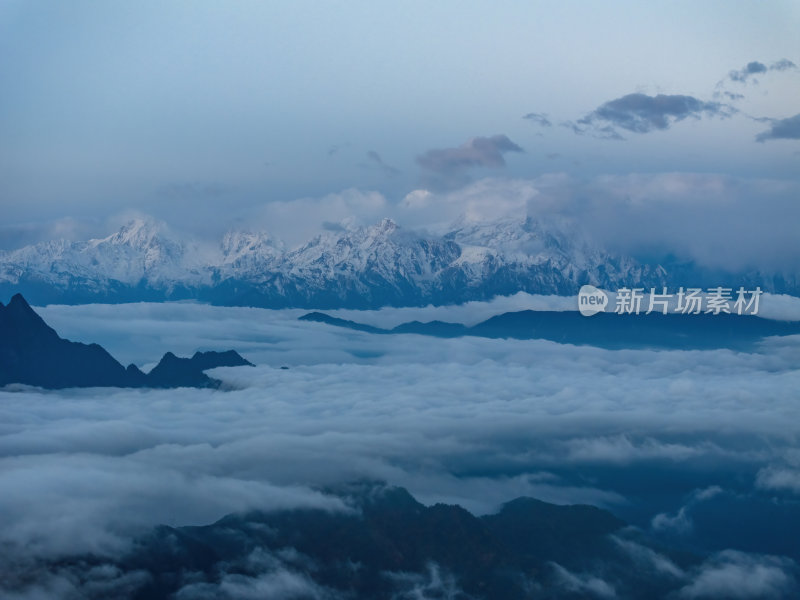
539 118
446 167
640 113
782 129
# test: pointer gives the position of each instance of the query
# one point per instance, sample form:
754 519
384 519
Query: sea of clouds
650 435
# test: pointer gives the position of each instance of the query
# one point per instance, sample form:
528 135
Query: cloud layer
469 421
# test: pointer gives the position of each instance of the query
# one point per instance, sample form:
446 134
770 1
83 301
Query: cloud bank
469 421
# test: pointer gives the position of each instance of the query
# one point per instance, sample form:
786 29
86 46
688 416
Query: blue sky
160 108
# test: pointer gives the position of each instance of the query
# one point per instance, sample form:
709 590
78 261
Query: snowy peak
138 233
352 266
383 249
517 240
503 234
146 236
239 244
385 227
374 236
141 249
247 254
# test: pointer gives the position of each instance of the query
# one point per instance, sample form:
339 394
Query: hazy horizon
288 118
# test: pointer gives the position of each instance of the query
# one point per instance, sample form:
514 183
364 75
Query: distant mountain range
356 267
32 353
390 546
606 330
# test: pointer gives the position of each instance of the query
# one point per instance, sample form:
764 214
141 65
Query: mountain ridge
32 353
384 543
356 267
606 330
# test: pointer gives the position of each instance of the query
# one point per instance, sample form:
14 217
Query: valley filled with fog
696 448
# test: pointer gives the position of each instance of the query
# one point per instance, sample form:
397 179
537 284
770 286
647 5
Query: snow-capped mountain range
357 267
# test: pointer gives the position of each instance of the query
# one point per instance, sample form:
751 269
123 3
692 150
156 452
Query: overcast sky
190 110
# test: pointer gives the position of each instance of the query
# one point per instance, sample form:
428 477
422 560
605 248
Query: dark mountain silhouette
323 318
32 353
389 541
173 371
607 330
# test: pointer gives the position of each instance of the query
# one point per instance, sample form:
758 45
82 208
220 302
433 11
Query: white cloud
74 581
736 575
620 449
585 584
681 522
277 585
474 421
779 478
648 558
719 221
435 582
484 200
297 221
